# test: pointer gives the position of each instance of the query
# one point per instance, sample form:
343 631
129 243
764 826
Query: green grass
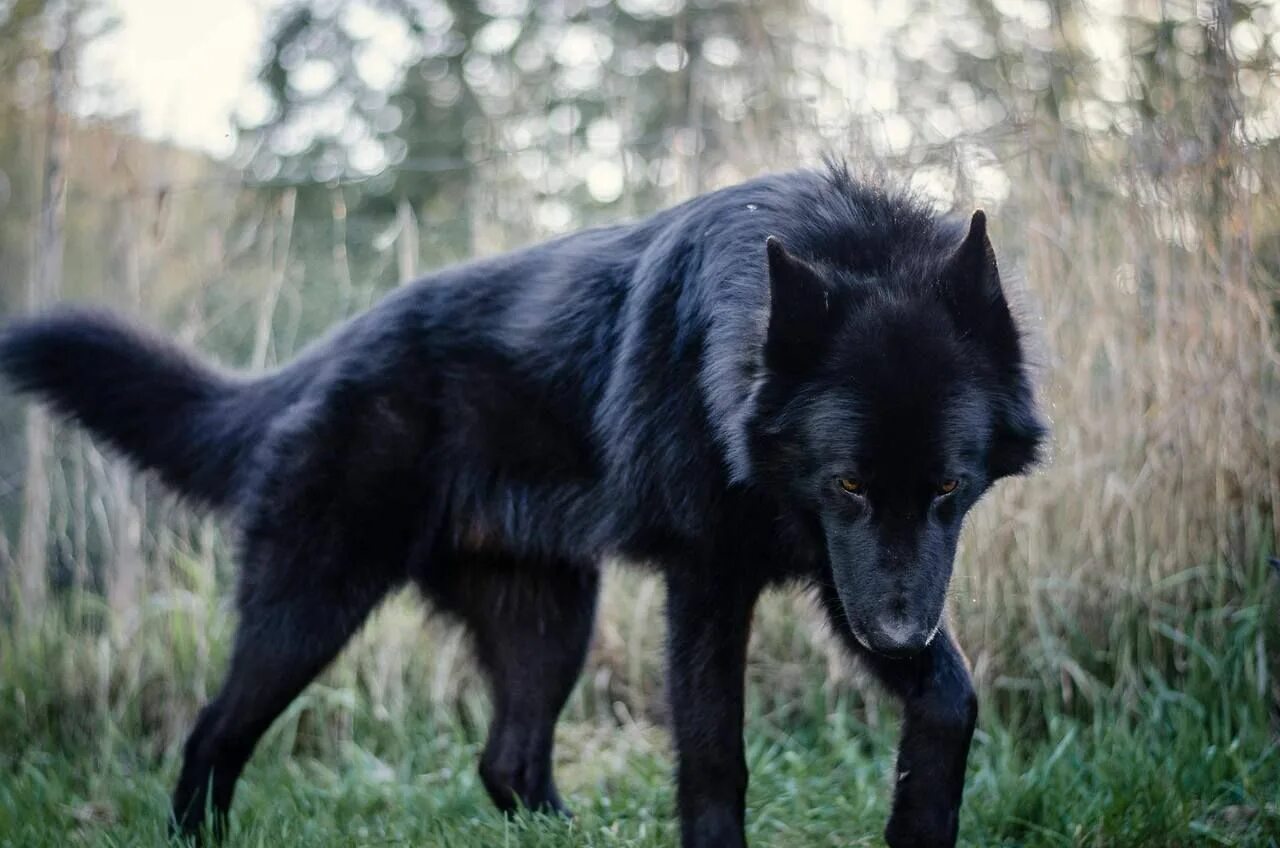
90 729
821 782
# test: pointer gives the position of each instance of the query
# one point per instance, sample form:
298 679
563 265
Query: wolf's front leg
940 711
708 624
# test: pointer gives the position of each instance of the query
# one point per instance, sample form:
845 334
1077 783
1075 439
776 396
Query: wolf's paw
519 787
922 829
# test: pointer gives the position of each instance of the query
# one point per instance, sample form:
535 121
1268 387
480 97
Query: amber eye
946 487
852 487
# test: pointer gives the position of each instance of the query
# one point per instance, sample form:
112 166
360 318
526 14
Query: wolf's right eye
850 486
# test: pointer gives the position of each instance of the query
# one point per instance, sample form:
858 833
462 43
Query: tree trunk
407 244
1222 112
42 289
281 246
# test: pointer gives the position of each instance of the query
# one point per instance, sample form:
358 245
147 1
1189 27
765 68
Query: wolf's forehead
894 337
904 427
952 434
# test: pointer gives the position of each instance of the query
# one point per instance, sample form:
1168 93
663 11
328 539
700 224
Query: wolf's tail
147 398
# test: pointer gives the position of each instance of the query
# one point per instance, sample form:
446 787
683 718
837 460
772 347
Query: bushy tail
147 398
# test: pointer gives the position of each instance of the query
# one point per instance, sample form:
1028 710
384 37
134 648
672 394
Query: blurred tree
1202 77
44 282
40 47
20 75
380 112
20 52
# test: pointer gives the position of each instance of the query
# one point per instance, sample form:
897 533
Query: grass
382 750
820 783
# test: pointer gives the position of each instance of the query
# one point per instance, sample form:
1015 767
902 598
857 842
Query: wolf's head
893 399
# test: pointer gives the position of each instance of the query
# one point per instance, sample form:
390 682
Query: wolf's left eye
850 486
946 487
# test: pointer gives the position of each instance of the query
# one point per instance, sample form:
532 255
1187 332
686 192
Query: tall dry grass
1148 529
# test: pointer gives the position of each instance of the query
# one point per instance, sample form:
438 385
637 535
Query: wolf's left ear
971 281
798 310
971 288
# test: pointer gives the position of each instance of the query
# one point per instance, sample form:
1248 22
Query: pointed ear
972 278
798 310
971 285
972 290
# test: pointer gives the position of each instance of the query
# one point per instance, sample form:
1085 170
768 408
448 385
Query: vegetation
383 750
1119 606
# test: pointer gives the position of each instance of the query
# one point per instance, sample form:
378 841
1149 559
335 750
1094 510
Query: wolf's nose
899 636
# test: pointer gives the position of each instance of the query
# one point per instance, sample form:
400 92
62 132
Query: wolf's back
147 398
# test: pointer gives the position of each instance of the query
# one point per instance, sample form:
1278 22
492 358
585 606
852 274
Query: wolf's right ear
798 310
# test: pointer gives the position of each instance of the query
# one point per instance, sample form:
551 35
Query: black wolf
807 378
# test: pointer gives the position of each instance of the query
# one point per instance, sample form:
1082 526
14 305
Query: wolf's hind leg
531 622
325 538
286 637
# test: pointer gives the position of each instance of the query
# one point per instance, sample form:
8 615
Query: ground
817 780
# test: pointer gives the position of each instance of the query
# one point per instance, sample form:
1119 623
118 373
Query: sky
181 65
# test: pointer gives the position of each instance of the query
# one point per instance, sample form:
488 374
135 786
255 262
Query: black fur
686 391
